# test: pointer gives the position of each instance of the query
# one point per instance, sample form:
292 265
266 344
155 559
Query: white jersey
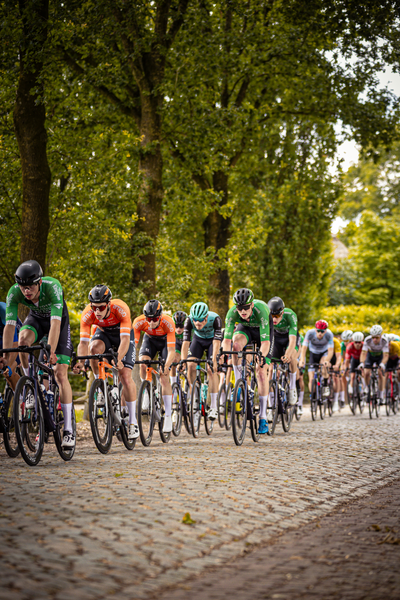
375 348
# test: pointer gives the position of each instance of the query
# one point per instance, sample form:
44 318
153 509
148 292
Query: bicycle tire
228 407
313 401
395 405
195 409
239 412
296 412
353 400
9 435
388 396
124 429
177 409
68 453
208 423
100 418
221 405
274 408
253 419
186 412
146 417
29 425
287 409
370 402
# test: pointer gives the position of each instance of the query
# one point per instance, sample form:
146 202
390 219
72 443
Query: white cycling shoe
167 427
292 397
133 432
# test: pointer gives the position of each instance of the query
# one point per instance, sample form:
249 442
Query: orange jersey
119 319
166 327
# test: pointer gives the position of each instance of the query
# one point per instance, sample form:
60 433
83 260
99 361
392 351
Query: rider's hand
53 358
3 362
382 366
120 365
78 367
361 366
302 364
286 358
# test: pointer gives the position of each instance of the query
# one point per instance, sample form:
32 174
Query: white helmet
357 336
390 337
376 330
346 335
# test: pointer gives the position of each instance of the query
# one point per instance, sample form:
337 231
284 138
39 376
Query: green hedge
361 318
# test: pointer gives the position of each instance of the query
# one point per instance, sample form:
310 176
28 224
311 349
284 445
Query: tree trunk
217 234
29 124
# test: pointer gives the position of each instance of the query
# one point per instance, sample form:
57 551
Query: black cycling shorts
315 358
280 345
178 346
253 334
354 362
200 345
112 339
333 359
371 360
392 363
152 344
41 328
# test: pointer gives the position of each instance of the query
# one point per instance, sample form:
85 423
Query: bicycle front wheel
388 395
208 423
177 409
100 416
322 408
272 411
9 435
228 407
313 401
239 412
28 423
146 413
195 409
221 401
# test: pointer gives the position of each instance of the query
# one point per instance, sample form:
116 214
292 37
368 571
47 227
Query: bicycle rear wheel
353 400
186 411
322 408
177 409
195 409
388 395
228 407
221 401
253 415
100 416
146 413
28 423
9 435
274 409
287 409
67 453
395 405
239 412
208 423
370 401
313 401
124 429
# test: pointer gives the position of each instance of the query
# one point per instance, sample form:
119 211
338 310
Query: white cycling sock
167 405
237 369
214 399
292 381
335 396
96 376
263 406
132 412
67 412
223 396
172 379
26 372
382 393
342 397
301 396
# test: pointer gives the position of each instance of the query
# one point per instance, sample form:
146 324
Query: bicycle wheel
313 401
228 407
165 437
274 409
186 403
124 429
67 453
28 423
100 416
195 409
253 415
296 412
287 409
395 404
221 401
370 401
353 400
388 396
146 413
239 412
208 423
9 435
177 409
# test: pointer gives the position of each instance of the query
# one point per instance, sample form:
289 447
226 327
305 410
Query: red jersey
351 350
119 319
166 327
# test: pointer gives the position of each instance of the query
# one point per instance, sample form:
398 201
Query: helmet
243 296
199 311
321 324
100 293
376 330
179 318
152 308
346 335
276 305
28 273
357 336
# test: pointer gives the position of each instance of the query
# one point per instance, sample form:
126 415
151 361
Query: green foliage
343 284
361 318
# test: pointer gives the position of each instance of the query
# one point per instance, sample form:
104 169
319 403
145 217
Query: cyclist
375 350
112 319
352 359
249 321
320 343
205 325
48 315
179 318
300 379
14 360
346 339
286 340
159 337
335 361
394 353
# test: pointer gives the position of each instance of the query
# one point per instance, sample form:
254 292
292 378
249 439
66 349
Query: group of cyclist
106 323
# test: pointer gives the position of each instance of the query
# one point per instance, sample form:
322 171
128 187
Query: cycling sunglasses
101 307
152 319
321 330
243 307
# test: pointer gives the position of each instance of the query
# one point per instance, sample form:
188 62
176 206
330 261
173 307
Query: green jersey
288 323
50 305
258 318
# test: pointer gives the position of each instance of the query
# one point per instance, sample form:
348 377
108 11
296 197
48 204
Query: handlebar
111 354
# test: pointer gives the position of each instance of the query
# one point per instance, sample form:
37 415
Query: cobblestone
101 525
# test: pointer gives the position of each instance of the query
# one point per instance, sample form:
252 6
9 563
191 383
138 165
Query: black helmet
28 273
179 318
243 296
153 308
100 293
276 306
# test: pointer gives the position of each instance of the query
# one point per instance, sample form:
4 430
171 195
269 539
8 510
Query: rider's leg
61 375
239 342
129 389
96 347
26 337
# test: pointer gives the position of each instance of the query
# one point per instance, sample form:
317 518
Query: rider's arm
8 338
123 348
363 356
54 334
290 350
385 357
185 350
187 334
302 360
170 358
264 347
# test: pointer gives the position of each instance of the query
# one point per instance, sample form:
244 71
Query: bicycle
7 427
225 406
199 401
152 411
392 391
373 393
245 405
316 398
357 397
180 405
279 387
296 406
329 401
33 425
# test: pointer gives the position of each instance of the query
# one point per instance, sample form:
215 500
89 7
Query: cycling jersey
288 323
373 348
166 328
211 330
317 345
343 348
394 349
259 319
118 320
336 345
352 351
3 308
49 306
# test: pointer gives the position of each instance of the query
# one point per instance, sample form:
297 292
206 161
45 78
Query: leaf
118 474
187 520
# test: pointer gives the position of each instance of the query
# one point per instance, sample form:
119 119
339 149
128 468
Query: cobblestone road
103 525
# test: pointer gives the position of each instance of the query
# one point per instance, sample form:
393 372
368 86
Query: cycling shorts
333 359
316 358
112 339
178 346
354 362
392 363
280 345
41 328
200 345
152 344
371 360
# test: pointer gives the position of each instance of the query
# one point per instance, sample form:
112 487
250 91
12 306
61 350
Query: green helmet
199 311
